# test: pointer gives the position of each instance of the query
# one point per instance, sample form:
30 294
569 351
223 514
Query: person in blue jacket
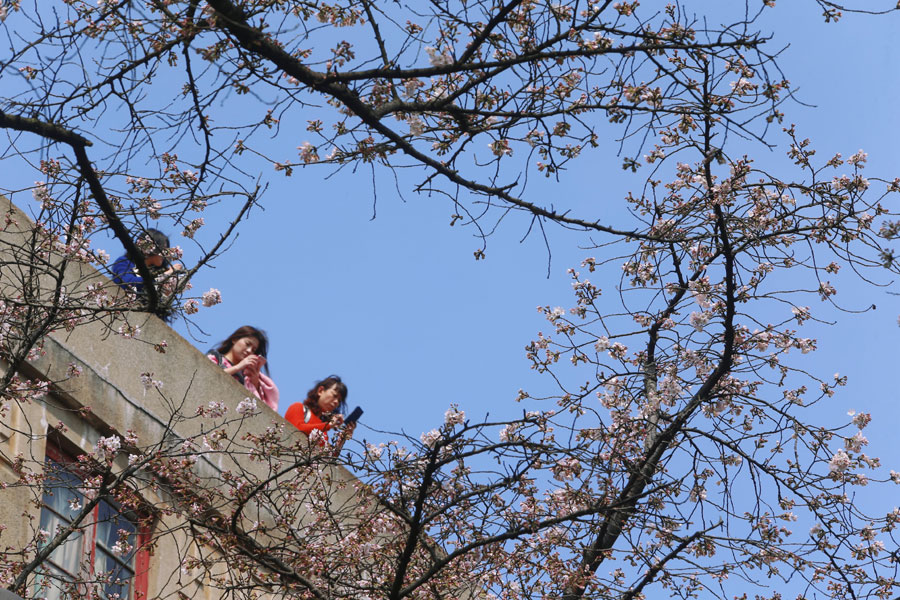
153 243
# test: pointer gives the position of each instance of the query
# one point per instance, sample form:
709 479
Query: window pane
116 542
61 491
99 556
52 584
62 501
113 575
67 555
115 533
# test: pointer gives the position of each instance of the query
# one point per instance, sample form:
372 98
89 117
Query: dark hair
247 331
312 396
153 242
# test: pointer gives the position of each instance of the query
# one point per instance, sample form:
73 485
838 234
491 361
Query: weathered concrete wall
110 386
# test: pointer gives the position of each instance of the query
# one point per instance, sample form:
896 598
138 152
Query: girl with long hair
243 356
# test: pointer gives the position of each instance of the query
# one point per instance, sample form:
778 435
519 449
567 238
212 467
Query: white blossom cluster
107 447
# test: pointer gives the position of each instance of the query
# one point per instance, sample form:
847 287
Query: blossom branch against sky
676 436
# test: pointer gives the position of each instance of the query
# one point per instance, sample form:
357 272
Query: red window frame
139 560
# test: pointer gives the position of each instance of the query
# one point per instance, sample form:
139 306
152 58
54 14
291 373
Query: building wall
108 398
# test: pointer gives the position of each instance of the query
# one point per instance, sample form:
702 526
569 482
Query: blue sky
398 306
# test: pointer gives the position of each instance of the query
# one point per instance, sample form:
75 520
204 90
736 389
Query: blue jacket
126 276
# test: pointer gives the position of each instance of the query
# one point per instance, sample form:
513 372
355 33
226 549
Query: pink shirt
265 391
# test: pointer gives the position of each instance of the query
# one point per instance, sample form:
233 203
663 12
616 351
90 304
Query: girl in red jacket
322 410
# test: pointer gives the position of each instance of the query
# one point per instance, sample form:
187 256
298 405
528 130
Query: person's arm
345 434
124 275
252 373
229 368
263 387
171 271
296 416
226 366
249 362
232 369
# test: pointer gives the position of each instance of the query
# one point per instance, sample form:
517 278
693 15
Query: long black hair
153 242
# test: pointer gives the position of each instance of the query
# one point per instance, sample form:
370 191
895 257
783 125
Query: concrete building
117 393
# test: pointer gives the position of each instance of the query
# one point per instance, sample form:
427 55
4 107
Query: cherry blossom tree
681 457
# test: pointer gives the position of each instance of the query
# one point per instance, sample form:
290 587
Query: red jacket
306 420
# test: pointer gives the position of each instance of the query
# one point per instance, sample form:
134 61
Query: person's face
155 260
244 347
329 399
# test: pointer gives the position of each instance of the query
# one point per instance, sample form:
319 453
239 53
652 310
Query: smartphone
354 416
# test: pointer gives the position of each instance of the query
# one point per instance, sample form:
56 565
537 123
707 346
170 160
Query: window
105 553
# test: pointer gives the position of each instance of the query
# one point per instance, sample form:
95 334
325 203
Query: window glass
116 543
101 553
62 502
